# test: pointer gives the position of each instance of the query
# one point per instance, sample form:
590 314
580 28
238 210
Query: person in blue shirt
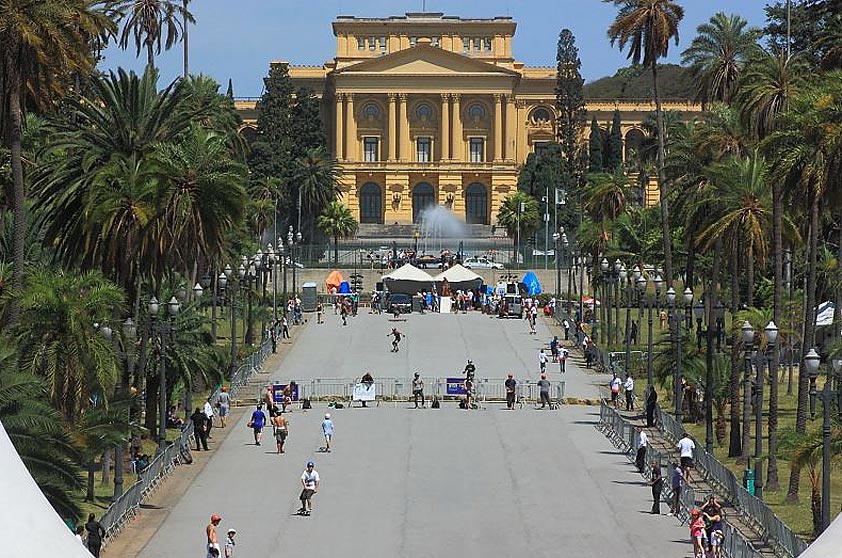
327 430
257 422
677 483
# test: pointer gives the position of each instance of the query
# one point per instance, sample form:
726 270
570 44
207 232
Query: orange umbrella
333 280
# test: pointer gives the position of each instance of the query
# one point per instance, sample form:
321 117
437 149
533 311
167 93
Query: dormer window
382 44
486 44
476 112
424 112
413 41
360 43
466 44
372 43
371 111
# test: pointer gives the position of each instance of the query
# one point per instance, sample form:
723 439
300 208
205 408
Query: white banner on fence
364 392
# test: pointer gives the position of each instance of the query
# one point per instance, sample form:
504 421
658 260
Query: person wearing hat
229 543
544 391
697 533
327 430
418 390
511 387
310 486
212 542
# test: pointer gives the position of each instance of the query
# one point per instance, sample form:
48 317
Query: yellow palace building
426 109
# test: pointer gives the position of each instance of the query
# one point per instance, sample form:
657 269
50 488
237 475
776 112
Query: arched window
476 204
371 111
423 196
371 203
249 133
634 140
424 112
541 115
476 111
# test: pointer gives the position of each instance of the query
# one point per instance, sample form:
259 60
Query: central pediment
425 60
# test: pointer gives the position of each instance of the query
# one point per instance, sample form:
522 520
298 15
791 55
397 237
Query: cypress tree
613 154
570 102
270 152
595 142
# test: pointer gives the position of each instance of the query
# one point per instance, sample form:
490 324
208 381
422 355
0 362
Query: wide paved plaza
446 482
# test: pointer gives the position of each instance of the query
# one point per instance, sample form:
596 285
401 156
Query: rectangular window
423 150
372 43
540 147
371 149
382 44
477 43
477 150
413 41
436 41
486 44
466 44
360 43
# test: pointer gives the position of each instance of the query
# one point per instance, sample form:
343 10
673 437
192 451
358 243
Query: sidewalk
131 541
581 385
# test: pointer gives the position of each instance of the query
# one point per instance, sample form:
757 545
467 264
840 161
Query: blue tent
344 288
533 287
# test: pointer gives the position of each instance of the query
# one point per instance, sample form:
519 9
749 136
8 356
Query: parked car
400 302
481 262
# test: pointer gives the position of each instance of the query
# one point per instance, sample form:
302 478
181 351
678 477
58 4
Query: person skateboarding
396 339
310 485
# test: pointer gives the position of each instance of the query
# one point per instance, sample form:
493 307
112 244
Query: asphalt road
405 482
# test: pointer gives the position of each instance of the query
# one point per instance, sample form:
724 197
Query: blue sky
238 39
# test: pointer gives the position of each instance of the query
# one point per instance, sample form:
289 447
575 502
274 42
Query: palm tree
647 26
718 55
36 431
806 154
149 22
45 44
59 342
805 450
337 222
519 216
767 85
316 177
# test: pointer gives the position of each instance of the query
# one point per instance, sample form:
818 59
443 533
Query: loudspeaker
511 288
379 286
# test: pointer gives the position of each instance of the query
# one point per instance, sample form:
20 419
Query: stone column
457 148
391 129
498 127
350 129
405 147
444 136
339 132
511 128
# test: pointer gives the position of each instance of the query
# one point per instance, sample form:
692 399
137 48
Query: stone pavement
405 482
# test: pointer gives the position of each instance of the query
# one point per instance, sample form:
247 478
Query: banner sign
364 392
456 386
278 392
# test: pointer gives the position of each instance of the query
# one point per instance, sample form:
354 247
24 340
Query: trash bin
748 481
308 297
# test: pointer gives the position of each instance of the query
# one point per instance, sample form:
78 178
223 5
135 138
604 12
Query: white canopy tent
33 527
407 279
829 543
459 277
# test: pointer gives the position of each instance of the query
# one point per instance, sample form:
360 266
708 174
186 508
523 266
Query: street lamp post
771 342
699 314
627 282
129 333
719 311
248 275
164 329
812 361
673 327
227 283
658 282
556 238
604 266
292 241
283 259
748 347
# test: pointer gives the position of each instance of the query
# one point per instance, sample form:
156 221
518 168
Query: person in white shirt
310 485
615 389
629 385
208 410
542 361
642 444
562 359
229 543
685 447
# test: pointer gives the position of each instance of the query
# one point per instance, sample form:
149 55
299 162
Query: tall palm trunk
809 342
184 38
662 178
772 482
690 267
18 205
336 250
150 54
735 442
750 277
711 299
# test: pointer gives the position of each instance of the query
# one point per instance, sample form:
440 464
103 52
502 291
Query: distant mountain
635 82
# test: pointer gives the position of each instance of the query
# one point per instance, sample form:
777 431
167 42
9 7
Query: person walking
309 486
542 361
697 533
566 330
229 543
320 312
284 328
257 422
714 516
544 391
368 381
615 389
200 434
677 481
657 483
511 390
223 403
208 410
629 385
562 359
396 339
554 348
418 390
212 545
327 430
642 444
95 535
280 429
633 333
685 447
651 402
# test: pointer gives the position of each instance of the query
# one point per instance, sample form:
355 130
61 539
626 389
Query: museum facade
426 109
